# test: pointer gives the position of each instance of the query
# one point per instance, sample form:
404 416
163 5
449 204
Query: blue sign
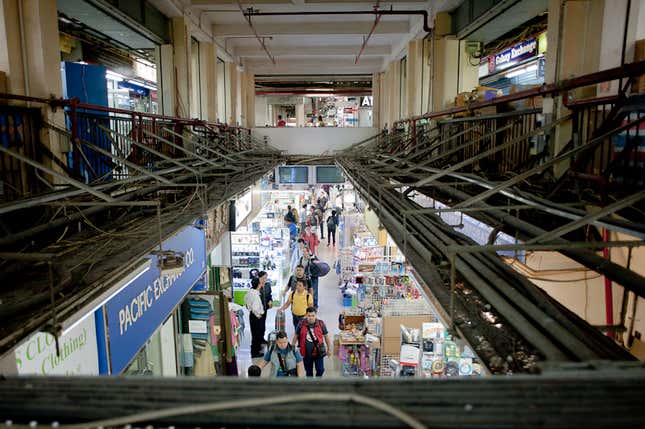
513 55
137 89
140 308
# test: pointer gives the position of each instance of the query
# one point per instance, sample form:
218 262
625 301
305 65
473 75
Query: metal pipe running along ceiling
377 13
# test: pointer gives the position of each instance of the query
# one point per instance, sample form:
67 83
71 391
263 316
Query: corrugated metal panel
583 400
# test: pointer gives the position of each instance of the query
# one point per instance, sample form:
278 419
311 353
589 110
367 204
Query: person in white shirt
296 253
253 303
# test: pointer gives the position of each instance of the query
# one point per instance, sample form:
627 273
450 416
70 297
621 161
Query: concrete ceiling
314 44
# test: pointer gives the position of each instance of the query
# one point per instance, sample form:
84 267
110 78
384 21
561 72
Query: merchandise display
245 252
388 326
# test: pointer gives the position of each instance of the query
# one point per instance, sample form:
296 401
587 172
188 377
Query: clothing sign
78 354
513 55
139 309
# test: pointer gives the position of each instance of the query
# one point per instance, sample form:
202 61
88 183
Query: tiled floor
329 307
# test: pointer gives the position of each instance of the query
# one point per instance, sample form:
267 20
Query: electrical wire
249 403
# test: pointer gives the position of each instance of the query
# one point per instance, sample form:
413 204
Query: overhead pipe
424 13
257 36
377 19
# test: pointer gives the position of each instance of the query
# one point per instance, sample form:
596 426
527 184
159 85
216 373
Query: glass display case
245 253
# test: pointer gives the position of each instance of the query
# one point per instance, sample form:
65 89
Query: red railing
103 141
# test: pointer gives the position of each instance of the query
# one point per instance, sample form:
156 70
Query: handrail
75 103
628 70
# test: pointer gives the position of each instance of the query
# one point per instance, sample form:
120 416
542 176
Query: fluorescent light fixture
514 73
103 301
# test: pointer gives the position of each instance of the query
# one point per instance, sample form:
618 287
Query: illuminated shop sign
513 55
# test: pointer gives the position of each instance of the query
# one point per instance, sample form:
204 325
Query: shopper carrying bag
285 360
312 340
299 301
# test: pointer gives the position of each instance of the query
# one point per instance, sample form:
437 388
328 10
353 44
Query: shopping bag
323 268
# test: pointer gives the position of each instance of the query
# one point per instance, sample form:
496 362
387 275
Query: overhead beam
302 51
358 28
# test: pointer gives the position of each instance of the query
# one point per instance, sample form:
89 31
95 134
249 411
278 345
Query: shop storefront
140 319
517 67
388 326
262 246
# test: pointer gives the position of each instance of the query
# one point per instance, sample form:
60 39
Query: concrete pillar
300 112
242 103
393 77
182 62
166 80
376 105
250 100
414 81
445 72
37 52
574 42
231 89
208 78
468 73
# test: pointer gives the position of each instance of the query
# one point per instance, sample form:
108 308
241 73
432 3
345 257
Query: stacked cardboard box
391 341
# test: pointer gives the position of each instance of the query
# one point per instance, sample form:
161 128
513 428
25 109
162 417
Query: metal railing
103 144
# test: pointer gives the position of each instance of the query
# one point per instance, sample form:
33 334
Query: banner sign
77 355
513 55
139 309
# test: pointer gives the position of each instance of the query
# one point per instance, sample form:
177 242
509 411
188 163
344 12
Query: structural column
208 78
30 56
232 92
182 64
376 105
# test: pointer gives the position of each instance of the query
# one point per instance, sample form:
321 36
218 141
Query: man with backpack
299 300
298 275
309 337
332 223
285 360
289 217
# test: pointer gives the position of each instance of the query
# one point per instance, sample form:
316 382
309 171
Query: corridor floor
329 307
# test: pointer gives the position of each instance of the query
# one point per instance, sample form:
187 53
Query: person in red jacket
309 337
281 122
311 239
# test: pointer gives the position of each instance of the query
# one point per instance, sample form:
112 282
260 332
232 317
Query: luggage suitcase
280 321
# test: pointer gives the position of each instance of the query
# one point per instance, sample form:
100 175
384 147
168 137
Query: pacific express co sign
136 312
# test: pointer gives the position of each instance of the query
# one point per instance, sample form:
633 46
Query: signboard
367 101
329 174
138 310
293 174
78 352
137 89
513 55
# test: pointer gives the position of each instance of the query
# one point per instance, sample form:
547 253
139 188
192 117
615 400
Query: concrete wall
313 141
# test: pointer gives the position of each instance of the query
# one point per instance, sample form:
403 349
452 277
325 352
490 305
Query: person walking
285 360
267 299
253 303
311 273
309 337
296 253
288 216
311 239
299 300
299 274
332 223
320 217
281 122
